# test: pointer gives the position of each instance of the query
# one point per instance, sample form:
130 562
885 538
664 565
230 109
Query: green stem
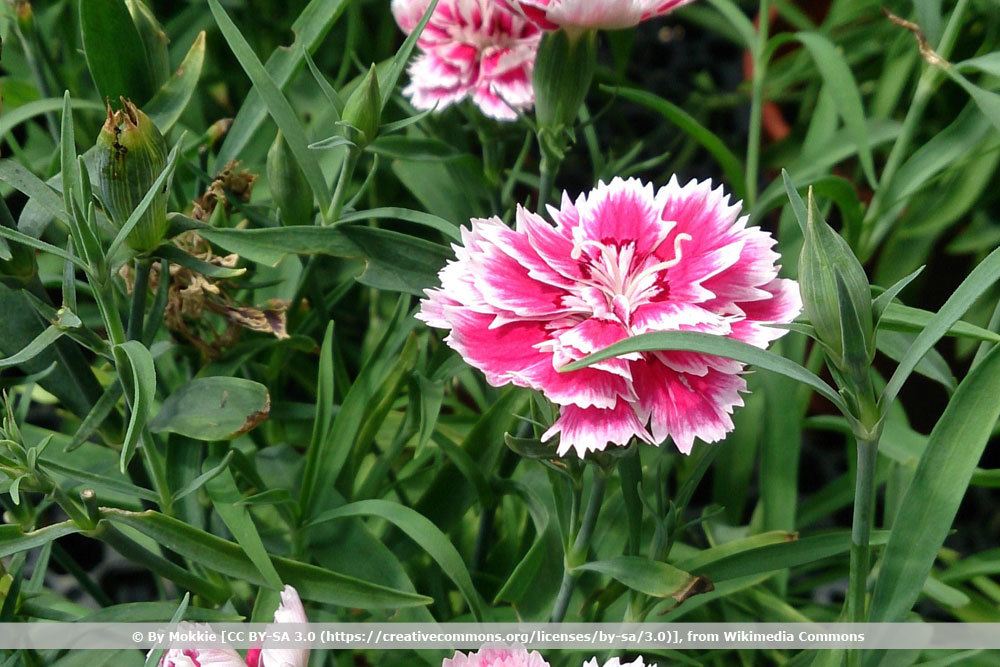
864 497
581 545
926 85
340 192
139 290
757 102
549 169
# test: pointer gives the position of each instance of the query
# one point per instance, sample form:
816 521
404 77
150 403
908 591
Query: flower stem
548 172
577 554
864 502
340 192
138 307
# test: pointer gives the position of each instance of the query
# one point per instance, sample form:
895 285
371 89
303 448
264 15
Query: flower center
623 279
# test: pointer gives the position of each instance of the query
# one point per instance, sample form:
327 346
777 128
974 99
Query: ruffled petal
586 430
684 407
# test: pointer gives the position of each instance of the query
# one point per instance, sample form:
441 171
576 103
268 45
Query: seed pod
289 188
363 110
131 155
836 295
154 39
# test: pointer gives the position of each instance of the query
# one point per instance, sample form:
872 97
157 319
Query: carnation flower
592 14
289 611
473 49
622 260
497 657
616 662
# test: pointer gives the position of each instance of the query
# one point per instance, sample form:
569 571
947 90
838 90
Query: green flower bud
289 188
564 70
836 296
363 111
154 39
131 155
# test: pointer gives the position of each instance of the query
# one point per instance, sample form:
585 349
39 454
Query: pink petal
586 430
684 407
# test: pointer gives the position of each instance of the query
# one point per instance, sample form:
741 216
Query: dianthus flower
475 49
621 261
496 657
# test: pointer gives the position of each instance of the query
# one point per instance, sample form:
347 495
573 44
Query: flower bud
131 154
289 188
564 70
836 295
363 110
25 15
154 40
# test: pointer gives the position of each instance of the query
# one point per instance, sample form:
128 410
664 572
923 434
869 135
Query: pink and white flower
497 657
471 49
616 662
289 611
622 260
592 14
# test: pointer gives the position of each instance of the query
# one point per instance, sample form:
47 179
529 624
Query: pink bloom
620 261
592 14
471 49
222 656
289 611
497 657
616 662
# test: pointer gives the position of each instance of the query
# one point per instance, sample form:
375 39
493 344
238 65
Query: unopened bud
363 110
289 188
564 71
836 295
131 155
154 40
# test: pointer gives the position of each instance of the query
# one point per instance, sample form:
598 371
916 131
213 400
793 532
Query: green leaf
711 344
973 287
933 366
213 408
204 478
739 21
650 577
732 167
837 76
11 118
173 98
987 101
153 657
172 253
49 336
32 242
225 496
39 192
393 261
729 549
406 215
313 583
906 319
782 555
936 490
114 51
97 481
277 105
422 531
133 360
309 29
14 540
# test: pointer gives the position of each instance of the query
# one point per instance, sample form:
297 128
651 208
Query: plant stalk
577 554
137 311
861 529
